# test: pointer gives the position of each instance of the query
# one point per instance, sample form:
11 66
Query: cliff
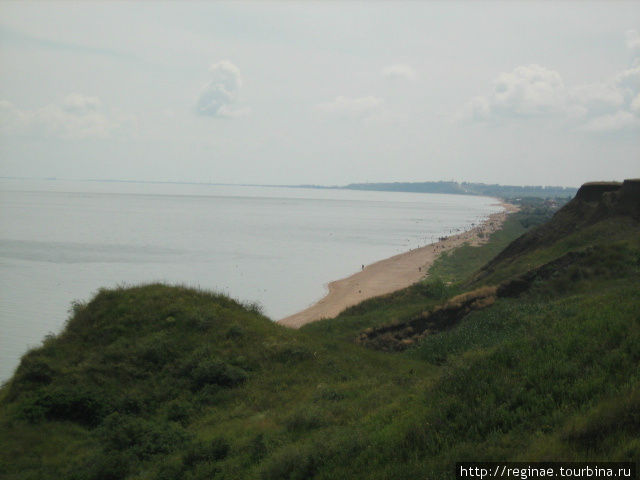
594 202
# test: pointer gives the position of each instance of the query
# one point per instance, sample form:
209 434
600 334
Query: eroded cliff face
597 200
625 200
593 202
593 191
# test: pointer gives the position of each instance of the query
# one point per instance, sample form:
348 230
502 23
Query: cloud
400 71
635 105
633 40
351 107
595 98
81 104
612 122
604 99
528 90
536 91
629 79
218 97
77 116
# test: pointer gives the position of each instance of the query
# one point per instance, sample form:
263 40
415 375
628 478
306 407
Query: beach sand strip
394 273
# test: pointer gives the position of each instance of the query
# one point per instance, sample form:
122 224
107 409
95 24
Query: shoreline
393 273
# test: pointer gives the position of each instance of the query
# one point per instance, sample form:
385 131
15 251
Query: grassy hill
526 348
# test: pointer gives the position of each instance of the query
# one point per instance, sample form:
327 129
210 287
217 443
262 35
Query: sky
329 93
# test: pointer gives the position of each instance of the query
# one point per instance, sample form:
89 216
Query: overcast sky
326 93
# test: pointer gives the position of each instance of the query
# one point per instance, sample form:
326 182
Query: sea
60 241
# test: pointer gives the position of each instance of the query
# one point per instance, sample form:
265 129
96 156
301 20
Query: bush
254 307
34 370
609 417
157 351
72 403
235 332
214 372
294 462
435 289
169 470
206 452
328 394
103 466
203 369
290 352
258 448
305 419
143 438
179 411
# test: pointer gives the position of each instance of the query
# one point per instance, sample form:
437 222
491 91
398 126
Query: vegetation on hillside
158 382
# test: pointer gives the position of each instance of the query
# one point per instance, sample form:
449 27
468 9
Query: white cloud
528 90
536 91
76 116
633 40
400 71
351 107
595 98
612 122
218 97
629 79
81 104
604 99
635 105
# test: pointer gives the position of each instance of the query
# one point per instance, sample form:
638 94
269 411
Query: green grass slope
158 382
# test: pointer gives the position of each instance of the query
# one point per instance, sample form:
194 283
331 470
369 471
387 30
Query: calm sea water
60 241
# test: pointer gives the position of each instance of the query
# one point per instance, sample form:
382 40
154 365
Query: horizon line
305 185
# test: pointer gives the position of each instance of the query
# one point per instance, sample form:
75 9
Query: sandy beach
391 274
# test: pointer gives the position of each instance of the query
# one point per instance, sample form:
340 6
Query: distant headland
461 188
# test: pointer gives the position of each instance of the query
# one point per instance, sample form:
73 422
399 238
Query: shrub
435 289
206 452
294 462
254 307
290 352
615 415
202 369
103 466
141 437
72 403
157 351
169 470
133 403
34 370
179 411
328 394
215 372
257 448
235 332
305 419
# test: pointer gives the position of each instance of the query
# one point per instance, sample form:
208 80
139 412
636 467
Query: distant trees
466 188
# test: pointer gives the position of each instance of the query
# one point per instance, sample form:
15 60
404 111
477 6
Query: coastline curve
392 274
